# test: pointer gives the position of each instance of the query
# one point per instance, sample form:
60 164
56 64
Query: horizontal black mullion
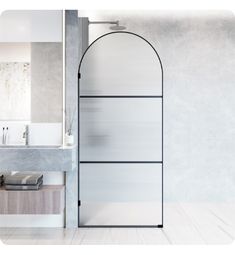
117 96
121 162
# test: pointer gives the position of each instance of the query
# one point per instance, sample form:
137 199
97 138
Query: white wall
198 55
15 52
31 26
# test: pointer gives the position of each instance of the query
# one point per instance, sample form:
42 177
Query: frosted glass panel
120 194
117 127
127 129
120 64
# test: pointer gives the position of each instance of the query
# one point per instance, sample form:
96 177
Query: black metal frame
118 162
109 96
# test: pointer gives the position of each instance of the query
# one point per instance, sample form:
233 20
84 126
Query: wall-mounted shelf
50 199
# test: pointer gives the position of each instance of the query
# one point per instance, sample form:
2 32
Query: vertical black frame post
120 162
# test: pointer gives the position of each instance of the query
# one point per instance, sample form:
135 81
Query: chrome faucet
5 135
26 135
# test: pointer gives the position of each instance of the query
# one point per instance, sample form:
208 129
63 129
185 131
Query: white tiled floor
183 224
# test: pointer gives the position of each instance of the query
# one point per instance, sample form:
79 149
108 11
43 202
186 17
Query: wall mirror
31 77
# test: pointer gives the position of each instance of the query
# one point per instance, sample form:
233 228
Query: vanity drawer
50 199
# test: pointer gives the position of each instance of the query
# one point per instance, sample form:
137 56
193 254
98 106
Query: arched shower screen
121 133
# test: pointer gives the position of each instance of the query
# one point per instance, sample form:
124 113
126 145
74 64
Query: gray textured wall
72 56
198 55
46 82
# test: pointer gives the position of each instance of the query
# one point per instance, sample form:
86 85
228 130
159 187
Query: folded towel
24 187
23 179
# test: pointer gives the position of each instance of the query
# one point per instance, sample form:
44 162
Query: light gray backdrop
198 54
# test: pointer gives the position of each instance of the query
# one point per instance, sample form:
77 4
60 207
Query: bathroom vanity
50 199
